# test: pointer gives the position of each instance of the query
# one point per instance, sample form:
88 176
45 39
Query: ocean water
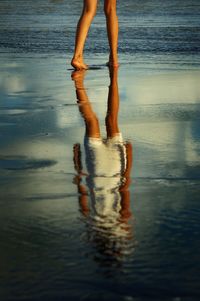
89 218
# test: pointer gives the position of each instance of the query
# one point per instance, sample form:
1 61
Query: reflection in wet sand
104 197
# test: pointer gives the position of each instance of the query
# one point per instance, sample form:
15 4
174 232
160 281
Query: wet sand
44 239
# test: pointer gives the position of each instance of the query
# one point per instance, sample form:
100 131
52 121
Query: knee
89 12
110 8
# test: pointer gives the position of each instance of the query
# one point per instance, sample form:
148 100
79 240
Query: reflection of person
89 10
108 163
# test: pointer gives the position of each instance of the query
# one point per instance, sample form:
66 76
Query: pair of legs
88 13
93 131
90 118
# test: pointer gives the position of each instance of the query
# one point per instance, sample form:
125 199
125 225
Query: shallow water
57 241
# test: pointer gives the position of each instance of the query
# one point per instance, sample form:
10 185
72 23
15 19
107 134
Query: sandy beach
50 248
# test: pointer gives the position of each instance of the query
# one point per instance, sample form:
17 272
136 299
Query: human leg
88 13
78 180
112 105
85 108
112 30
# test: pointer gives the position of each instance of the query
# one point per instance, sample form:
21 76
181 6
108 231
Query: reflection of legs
124 189
92 130
112 30
88 13
113 129
113 105
78 180
91 121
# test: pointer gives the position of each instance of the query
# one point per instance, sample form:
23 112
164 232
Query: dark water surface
73 228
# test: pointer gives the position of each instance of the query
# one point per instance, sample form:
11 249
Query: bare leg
85 108
113 105
124 189
89 10
112 30
78 180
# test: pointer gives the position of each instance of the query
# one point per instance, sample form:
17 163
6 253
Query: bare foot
112 64
78 74
78 77
78 64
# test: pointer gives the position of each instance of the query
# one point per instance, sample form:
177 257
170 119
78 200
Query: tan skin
93 131
88 13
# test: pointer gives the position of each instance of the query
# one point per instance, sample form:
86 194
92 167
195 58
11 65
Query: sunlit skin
93 131
88 13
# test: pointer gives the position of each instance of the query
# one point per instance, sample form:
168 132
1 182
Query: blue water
51 248
171 27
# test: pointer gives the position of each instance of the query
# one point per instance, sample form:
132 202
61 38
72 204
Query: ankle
78 57
113 57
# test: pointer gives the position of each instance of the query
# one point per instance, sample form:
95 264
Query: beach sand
42 233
